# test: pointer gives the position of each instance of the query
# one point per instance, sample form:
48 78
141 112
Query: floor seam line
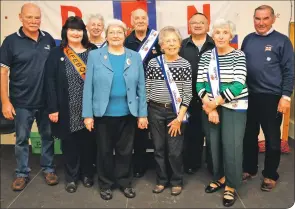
241 200
24 189
126 203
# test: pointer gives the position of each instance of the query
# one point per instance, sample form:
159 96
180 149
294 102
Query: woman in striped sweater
168 100
222 88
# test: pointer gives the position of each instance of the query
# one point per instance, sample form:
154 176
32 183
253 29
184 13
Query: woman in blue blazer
114 98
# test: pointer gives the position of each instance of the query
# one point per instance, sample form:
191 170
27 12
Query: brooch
105 57
128 61
62 59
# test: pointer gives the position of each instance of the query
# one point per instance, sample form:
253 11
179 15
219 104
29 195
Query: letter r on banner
65 12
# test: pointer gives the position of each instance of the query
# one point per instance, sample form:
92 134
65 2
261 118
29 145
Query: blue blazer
98 83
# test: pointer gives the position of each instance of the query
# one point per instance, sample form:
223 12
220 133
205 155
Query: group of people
103 94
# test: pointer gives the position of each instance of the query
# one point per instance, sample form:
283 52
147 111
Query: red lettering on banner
65 12
128 7
191 10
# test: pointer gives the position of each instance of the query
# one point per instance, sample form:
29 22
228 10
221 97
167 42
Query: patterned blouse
76 85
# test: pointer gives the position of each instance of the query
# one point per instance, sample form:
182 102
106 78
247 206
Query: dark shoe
227 202
87 182
71 187
106 194
158 189
20 183
128 192
210 189
176 190
248 176
191 170
50 178
138 172
267 184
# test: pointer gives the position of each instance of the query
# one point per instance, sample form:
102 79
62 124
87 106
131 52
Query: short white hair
95 16
221 23
169 29
116 22
139 9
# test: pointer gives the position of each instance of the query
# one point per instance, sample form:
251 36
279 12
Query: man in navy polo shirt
270 80
23 55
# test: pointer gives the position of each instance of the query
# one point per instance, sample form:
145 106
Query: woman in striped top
166 124
222 88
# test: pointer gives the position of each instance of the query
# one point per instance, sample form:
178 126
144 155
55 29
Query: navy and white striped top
156 86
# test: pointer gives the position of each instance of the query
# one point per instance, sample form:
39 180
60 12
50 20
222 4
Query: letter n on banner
122 10
191 10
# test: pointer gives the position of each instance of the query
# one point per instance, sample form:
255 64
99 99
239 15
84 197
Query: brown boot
20 183
267 184
51 178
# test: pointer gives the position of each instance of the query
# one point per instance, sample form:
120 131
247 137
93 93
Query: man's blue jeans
23 123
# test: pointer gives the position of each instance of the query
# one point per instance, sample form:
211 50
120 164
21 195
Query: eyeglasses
115 33
197 23
31 18
171 41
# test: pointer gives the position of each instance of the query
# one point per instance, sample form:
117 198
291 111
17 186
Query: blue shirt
118 105
270 63
99 80
25 58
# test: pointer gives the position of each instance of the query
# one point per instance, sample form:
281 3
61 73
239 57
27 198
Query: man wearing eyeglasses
23 55
191 49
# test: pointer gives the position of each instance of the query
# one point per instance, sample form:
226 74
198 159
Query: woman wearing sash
65 71
222 88
168 85
114 100
95 27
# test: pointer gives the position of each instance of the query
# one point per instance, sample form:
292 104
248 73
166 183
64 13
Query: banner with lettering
161 13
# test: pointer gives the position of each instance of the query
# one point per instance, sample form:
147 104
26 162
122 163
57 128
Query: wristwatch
286 98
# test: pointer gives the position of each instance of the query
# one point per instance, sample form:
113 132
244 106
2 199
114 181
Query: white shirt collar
267 33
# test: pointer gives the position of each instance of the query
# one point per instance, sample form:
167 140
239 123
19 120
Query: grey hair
220 23
95 16
169 29
262 7
139 9
116 22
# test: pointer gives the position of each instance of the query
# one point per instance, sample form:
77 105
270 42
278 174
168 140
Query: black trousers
140 145
114 133
194 137
262 110
168 150
78 154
